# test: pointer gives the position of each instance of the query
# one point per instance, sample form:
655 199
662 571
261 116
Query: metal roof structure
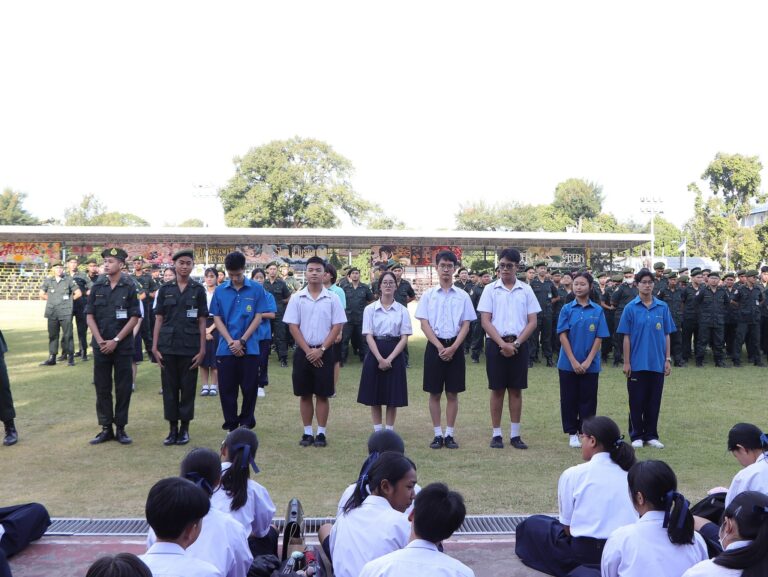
336 238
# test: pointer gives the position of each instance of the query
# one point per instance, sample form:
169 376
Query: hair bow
669 501
247 457
200 481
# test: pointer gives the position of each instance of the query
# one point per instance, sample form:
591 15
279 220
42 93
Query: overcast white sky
435 103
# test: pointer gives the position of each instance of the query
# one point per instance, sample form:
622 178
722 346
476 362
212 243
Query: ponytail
606 433
361 485
202 467
389 465
657 482
749 510
241 447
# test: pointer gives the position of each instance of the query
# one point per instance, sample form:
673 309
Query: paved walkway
71 556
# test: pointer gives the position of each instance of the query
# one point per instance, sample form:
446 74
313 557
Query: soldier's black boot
49 362
85 354
122 437
183 437
11 436
62 357
172 435
105 435
71 361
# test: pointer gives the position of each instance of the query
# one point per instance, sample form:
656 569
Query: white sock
438 432
514 430
449 431
497 432
390 427
308 430
320 430
377 428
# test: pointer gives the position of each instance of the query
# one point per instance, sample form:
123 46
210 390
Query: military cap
521 276
601 274
715 274
184 252
118 253
706 270
695 271
659 266
540 263
628 270
764 269
155 266
556 271
73 258
91 261
529 267
352 269
138 258
394 265
617 278
684 278
672 275
667 271
483 272
741 272
56 263
752 272
272 263
682 270
729 275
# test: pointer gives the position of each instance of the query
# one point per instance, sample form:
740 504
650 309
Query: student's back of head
203 467
606 433
437 512
749 513
172 505
241 446
120 565
385 440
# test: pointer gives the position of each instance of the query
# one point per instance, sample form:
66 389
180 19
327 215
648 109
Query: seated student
247 501
437 513
662 542
120 565
373 524
223 542
749 445
19 526
175 510
744 536
593 501
378 443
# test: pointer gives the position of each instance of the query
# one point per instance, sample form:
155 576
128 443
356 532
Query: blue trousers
645 389
238 374
23 524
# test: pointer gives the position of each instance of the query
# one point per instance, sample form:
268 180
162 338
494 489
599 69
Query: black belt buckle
447 342
509 338
386 338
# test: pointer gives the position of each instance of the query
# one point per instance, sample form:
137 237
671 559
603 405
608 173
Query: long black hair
241 445
203 467
749 510
389 465
607 434
657 482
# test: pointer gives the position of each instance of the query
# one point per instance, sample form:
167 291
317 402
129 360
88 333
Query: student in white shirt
593 501
223 542
744 538
445 313
314 317
383 380
175 510
120 565
373 523
508 314
329 282
242 497
662 542
437 513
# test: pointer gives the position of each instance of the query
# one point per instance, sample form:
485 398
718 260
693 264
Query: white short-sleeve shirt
170 560
365 533
315 318
709 569
445 310
751 478
509 308
351 489
643 548
381 321
419 559
257 513
594 498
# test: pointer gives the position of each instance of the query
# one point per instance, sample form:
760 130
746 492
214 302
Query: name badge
65 298
191 313
121 314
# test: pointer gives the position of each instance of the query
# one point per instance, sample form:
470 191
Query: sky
436 103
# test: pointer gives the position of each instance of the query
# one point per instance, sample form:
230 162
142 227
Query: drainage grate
473 525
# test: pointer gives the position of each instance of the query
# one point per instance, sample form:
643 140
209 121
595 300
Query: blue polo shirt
584 324
264 332
647 328
237 308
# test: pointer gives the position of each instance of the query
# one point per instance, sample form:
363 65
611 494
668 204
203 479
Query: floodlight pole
652 205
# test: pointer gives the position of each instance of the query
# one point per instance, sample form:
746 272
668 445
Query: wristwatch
669 359
116 339
517 344
243 342
322 348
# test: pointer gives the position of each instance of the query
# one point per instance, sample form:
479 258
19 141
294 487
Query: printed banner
409 255
29 252
556 257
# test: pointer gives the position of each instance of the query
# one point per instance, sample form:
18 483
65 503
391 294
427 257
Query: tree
737 178
762 235
380 221
192 223
745 249
296 183
11 210
578 199
668 237
90 211
510 216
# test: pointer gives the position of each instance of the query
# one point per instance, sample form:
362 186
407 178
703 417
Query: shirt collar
246 283
636 301
165 548
498 283
378 502
422 544
324 293
601 458
590 304
377 305
737 545
652 517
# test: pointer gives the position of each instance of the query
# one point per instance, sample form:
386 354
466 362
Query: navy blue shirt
237 308
647 328
583 324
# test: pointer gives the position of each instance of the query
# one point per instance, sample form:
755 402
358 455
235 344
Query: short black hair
316 260
255 271
234 261
642 273
586 276
120 565
462 269
331 270
174 503
511 254
211 270
437 512
748 436
446 255
385 440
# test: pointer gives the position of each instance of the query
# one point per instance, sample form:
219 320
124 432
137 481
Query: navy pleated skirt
379 387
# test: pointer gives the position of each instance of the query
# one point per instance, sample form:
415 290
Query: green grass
54 464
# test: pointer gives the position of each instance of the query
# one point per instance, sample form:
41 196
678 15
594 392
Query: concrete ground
71 556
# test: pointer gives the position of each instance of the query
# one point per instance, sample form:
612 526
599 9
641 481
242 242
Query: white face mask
629 280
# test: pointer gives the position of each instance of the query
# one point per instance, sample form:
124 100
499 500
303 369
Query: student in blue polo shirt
646 324
581 328
236 307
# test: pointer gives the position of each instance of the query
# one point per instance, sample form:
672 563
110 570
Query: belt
447 342
509 338
386 338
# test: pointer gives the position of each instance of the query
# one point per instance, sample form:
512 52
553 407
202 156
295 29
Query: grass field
54 464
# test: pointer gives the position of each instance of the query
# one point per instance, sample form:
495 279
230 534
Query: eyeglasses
388 283
445 266
507 265
645 282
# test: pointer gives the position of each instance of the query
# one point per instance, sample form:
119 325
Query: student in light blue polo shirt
646 324
581 327
236 307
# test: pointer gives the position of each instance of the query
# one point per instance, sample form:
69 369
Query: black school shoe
105 435
122 437
320 440
497 443
307 441
450 442
517 443
437 442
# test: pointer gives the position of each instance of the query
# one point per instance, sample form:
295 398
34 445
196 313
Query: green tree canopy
296 183
668 237
510 216
578 199
90 211
12 211
737 178
192 223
